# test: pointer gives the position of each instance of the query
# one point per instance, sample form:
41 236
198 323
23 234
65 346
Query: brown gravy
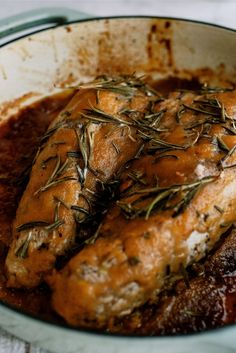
19 140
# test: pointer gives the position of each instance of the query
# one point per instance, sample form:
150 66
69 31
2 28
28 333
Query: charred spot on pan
167 44
154 28
68 29
167 24
149 51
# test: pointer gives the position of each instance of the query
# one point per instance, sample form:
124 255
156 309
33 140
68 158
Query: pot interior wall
42 64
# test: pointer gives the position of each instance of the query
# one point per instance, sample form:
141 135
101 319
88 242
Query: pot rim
98 18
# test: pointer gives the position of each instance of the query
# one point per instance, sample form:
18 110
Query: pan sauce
19 141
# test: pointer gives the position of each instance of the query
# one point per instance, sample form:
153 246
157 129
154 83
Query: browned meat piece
81 147
207 300
176 202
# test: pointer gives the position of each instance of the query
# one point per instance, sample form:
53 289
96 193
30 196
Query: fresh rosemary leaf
227 156
99 116
199 110
59 200
73 154
54 225
165 156
44 162
54 183
206 89
22 251
229 166
179 113
80 174
229 129
53 179
80 209
116 147
31 225
183 204
137 176
51 131
93 238
219 209
126 85
158 198
222 145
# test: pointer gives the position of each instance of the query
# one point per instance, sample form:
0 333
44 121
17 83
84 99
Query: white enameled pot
75 50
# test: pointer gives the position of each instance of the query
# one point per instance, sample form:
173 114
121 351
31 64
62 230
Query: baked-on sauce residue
191 299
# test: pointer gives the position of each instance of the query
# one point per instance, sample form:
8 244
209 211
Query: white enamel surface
39 65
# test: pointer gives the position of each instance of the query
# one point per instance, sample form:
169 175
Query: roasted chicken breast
175 202
202 297
83 147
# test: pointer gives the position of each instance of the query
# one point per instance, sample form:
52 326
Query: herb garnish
31 225
116 147
176 197
226 157
53 179
137 176
22 251
126 85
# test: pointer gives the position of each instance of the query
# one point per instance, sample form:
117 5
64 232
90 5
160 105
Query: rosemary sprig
126 85
45 161
159 144
22 251
51 131
179 113
54 225
86 215
73 154
158 198
116 148
226 157
85 141
53 179
232 131
92 239
59 200
54 183
210 106
206 89
31 225
157 158
137 177
97 115
222 145
200 110
219 209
